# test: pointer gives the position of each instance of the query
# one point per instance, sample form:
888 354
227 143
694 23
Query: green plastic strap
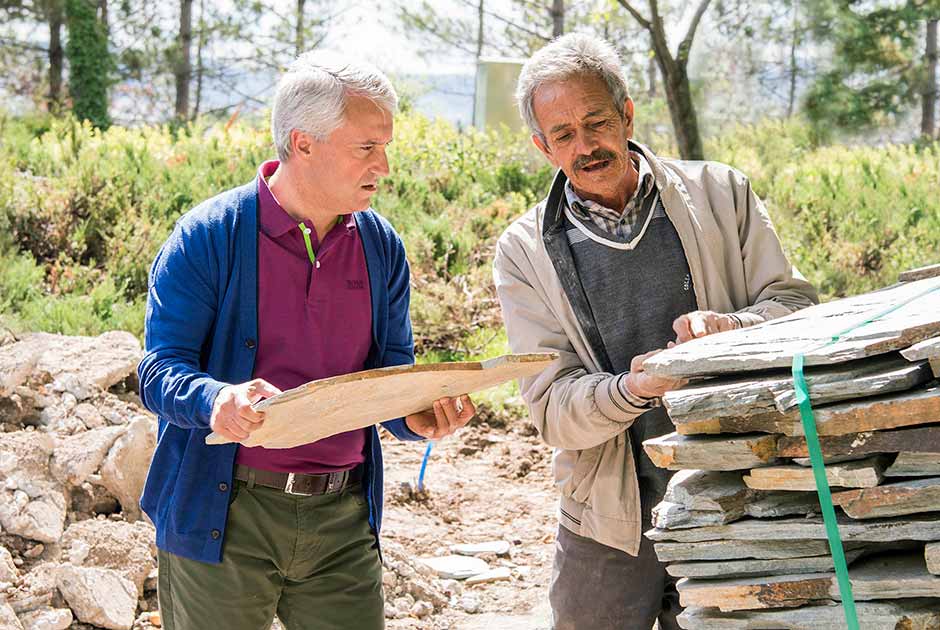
825 494
306 232
819 468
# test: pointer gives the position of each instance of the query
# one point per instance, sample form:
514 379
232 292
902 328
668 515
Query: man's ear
301 143
628 117
540 144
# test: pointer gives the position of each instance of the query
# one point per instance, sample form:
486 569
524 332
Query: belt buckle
289 487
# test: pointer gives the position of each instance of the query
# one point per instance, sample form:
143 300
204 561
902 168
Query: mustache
596 156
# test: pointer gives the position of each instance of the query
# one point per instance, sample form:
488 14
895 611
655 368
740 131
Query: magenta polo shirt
314 321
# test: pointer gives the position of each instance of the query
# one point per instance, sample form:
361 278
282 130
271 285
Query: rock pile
74 450
75 445
740 522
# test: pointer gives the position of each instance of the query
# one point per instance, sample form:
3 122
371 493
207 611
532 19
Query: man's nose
380 167
585 143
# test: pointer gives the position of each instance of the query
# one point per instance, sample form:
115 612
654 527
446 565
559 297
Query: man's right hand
641 383
232 415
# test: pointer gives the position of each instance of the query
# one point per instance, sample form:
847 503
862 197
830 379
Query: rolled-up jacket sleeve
775 287
571 408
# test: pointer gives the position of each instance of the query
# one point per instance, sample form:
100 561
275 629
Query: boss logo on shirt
688 282
355 284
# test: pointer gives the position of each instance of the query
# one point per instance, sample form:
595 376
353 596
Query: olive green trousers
311 561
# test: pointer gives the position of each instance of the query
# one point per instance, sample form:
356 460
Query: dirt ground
482 484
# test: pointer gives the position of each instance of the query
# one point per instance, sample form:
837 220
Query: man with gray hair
628 254
262 288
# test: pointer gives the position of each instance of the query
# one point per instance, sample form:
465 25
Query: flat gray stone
498 547
456 567
911 615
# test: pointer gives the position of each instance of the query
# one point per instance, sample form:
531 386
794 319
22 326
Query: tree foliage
878 69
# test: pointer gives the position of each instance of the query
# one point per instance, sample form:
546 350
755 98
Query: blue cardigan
201 329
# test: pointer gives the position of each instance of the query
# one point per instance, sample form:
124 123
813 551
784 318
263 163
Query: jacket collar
554 216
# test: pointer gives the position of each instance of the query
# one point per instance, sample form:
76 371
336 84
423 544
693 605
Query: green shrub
83 212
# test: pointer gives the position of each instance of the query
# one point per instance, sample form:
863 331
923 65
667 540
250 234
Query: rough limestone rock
35 590
31 504
124 469
37 517
48 619
75 457
25 454
17 362
8 618
406 582
115 410
8 570
127 548
84 365
101 597
89 415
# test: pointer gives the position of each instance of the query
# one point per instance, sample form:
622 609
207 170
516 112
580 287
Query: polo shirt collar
275 222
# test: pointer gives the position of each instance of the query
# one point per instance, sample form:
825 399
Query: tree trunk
682 113
675 76
480 29
56 53
200 44
184 69
558 18
89 62
651 76
928 121
104 17
678 96
299 32
794 69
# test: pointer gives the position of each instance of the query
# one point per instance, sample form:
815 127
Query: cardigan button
250 343
223 487
215 534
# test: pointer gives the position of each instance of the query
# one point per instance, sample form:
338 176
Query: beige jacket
737 265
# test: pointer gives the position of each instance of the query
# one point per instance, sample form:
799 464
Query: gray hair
571 55
311 96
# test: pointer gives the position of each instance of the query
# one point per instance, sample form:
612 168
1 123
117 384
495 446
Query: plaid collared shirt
620 224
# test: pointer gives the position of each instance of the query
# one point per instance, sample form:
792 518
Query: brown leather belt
300 484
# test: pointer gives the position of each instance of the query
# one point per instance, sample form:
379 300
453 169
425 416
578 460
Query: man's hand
442 419
701 323
640 383
232 415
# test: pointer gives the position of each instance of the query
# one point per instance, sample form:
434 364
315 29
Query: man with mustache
628 254
287 279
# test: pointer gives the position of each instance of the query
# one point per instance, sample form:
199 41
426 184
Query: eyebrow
596 112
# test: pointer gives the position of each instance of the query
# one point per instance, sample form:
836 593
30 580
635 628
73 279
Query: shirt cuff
611 402
636 400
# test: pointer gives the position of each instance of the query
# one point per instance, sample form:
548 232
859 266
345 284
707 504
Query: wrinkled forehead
571 100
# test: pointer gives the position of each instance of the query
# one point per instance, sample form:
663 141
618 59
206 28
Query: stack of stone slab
740 522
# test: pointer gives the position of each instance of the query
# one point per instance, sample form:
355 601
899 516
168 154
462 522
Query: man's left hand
702 323
442 419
